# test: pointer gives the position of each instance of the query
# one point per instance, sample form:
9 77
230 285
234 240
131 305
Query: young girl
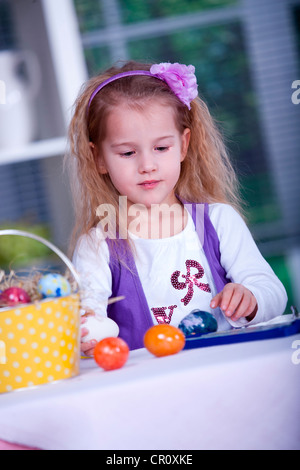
158 212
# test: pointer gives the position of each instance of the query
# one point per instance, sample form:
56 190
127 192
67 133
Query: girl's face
142 153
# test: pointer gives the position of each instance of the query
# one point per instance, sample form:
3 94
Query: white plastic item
99 328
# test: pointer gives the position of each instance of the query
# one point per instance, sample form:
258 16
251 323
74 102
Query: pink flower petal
180 78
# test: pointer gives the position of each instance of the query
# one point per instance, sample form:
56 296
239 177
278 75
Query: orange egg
164 340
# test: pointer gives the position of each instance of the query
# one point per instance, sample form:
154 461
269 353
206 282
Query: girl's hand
87 348
236 301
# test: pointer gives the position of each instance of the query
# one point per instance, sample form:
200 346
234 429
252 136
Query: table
235 396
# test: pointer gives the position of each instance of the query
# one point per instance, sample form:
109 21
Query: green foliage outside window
90 12
89 15
137 10
97 59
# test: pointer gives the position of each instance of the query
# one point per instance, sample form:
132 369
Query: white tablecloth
238 396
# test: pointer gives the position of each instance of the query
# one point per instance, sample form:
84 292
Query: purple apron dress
132 314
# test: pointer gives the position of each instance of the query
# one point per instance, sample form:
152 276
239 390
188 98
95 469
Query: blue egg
198 323
53 285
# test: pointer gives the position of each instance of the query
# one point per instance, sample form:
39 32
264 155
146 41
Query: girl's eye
162 149
127 154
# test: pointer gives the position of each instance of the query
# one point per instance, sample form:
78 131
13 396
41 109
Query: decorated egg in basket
53 285
13 296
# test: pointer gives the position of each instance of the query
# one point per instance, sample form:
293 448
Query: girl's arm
91 260
255 288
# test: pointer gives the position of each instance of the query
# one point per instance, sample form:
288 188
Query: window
22 188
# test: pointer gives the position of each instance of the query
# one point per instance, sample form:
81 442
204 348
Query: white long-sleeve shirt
163 265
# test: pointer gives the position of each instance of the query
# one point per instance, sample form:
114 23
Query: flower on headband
180 78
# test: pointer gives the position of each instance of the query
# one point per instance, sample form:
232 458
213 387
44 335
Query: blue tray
240 335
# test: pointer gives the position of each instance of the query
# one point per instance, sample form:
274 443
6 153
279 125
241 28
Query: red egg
14 296
111 353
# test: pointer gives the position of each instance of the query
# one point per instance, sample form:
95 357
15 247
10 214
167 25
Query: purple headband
180 78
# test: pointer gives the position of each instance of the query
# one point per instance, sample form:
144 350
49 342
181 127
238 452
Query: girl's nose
147 163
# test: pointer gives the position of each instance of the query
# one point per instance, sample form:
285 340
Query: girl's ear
98 159
185 140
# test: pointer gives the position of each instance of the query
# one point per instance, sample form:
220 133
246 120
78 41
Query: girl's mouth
150 184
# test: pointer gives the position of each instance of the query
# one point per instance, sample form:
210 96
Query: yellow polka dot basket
40 342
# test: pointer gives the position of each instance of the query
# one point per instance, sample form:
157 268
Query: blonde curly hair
207 174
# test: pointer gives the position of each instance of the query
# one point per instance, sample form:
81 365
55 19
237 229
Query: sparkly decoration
190 280
198 323
160 314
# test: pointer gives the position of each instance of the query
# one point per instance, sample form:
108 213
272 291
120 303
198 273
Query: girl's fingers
235 301
83 332
230 304
224 298
215 301
249 311
88 347
246 308
242 308
89 352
